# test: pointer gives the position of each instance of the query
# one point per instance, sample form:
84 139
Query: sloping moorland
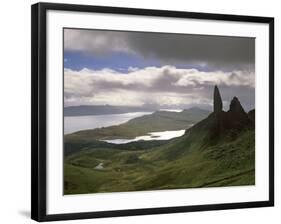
217 151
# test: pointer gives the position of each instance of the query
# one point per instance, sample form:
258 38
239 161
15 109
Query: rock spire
217 100
235 106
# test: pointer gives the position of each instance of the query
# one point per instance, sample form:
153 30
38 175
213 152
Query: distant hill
86 110
157 121
219 150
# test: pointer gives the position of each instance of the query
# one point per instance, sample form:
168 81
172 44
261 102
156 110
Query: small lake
78 123
163 135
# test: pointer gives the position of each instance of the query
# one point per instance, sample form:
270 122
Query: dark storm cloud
212 50
218 52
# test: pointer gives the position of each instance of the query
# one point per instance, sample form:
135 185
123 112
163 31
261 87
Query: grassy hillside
176 164
218 150
78 146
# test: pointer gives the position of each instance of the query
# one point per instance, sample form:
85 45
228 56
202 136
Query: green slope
227 163
217 151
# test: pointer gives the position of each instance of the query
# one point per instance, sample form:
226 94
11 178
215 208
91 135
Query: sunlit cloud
166 85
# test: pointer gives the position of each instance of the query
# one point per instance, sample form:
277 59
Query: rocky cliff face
236 107
251 115
237 115
221 124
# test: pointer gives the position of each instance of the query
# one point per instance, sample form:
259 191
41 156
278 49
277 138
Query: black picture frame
39 107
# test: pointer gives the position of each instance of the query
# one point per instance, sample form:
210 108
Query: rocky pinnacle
235 106
217 100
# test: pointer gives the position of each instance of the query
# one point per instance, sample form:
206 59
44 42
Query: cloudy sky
169 70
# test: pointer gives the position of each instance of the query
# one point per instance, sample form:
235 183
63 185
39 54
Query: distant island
87 110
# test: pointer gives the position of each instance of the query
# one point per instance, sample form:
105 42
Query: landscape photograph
147 111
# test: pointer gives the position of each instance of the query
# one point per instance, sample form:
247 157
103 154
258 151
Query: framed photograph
138 111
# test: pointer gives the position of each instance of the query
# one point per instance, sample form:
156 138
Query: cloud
236 78
165 85
219 52
95 41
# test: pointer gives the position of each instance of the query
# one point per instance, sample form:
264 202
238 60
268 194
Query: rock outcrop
217 100
236 107
237 115
221 124
251 115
